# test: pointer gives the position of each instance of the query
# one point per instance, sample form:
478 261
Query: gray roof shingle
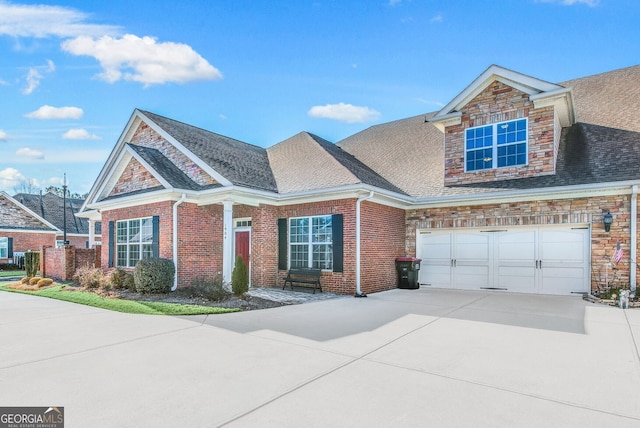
241 163
50 207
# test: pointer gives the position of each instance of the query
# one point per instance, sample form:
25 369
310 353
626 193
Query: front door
242 247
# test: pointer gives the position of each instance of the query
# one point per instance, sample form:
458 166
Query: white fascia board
142 199
522 82
90 215
451 119
49 232
28 211
539 194
109 181
195 159
561 100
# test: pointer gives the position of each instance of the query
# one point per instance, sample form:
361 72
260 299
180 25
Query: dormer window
497 145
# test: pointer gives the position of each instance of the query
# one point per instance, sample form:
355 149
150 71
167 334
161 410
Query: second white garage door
549 260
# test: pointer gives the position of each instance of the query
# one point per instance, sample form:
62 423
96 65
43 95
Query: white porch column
227 243
92 233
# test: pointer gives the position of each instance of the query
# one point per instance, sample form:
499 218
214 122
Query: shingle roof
241 163
50 207
307 162
166 168
604 147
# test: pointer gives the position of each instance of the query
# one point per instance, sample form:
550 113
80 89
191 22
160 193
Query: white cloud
79 134
34 76
143 59
30 153
49 112
344 113
436 19
10 178
40 21
3 135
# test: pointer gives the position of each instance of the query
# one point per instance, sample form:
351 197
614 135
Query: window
4 248
496 146
134 241
311 242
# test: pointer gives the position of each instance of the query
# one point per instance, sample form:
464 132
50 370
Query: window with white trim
311 242
4 248
496 146
134 241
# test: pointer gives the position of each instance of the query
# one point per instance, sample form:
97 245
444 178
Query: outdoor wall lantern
607 219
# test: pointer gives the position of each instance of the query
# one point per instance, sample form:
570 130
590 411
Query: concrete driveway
395 359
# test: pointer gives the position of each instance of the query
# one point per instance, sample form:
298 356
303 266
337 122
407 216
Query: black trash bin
408 269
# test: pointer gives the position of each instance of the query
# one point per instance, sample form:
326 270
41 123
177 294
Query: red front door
242 246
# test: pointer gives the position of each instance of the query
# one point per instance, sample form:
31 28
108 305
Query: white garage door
549 260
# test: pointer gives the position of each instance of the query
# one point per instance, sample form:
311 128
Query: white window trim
494 147
4 245
128 245
310 243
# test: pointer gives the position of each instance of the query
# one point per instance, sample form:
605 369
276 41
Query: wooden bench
309 277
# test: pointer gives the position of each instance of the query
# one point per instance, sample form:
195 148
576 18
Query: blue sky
72 72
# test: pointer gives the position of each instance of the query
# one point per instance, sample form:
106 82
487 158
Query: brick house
30 221
506 187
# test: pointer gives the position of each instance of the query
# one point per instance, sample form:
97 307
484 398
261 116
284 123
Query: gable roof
595 151
50 207
541 92
307 162
241 163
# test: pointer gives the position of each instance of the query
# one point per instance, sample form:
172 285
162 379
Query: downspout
634 240
359 292
175 239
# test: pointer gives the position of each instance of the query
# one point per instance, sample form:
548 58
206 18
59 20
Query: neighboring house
27 222
506 187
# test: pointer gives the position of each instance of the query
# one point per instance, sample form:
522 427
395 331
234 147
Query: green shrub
239 277
32 263
210 288
154 275
89 277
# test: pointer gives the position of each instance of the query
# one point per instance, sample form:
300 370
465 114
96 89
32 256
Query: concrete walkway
403 358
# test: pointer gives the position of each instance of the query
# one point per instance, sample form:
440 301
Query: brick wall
62 263
498 103
28 241
568 211
134 177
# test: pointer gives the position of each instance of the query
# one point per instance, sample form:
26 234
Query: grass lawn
127 306
6 273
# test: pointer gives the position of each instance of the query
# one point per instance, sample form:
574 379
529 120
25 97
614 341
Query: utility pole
64 210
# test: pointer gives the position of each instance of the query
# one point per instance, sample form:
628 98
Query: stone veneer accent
145 136
498 103
16 218
579 211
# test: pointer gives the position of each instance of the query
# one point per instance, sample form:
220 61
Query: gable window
496 146
311 243
134 241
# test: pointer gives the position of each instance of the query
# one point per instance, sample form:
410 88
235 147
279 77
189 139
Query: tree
28 185
60 192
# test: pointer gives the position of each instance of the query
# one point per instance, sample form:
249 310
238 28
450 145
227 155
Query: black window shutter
10 248
112 236
338 242
282 244
156 237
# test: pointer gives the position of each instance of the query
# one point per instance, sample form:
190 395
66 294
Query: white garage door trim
543 260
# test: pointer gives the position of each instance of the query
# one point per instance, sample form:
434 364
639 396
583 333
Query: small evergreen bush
32 263
239 277
154 275
120 279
